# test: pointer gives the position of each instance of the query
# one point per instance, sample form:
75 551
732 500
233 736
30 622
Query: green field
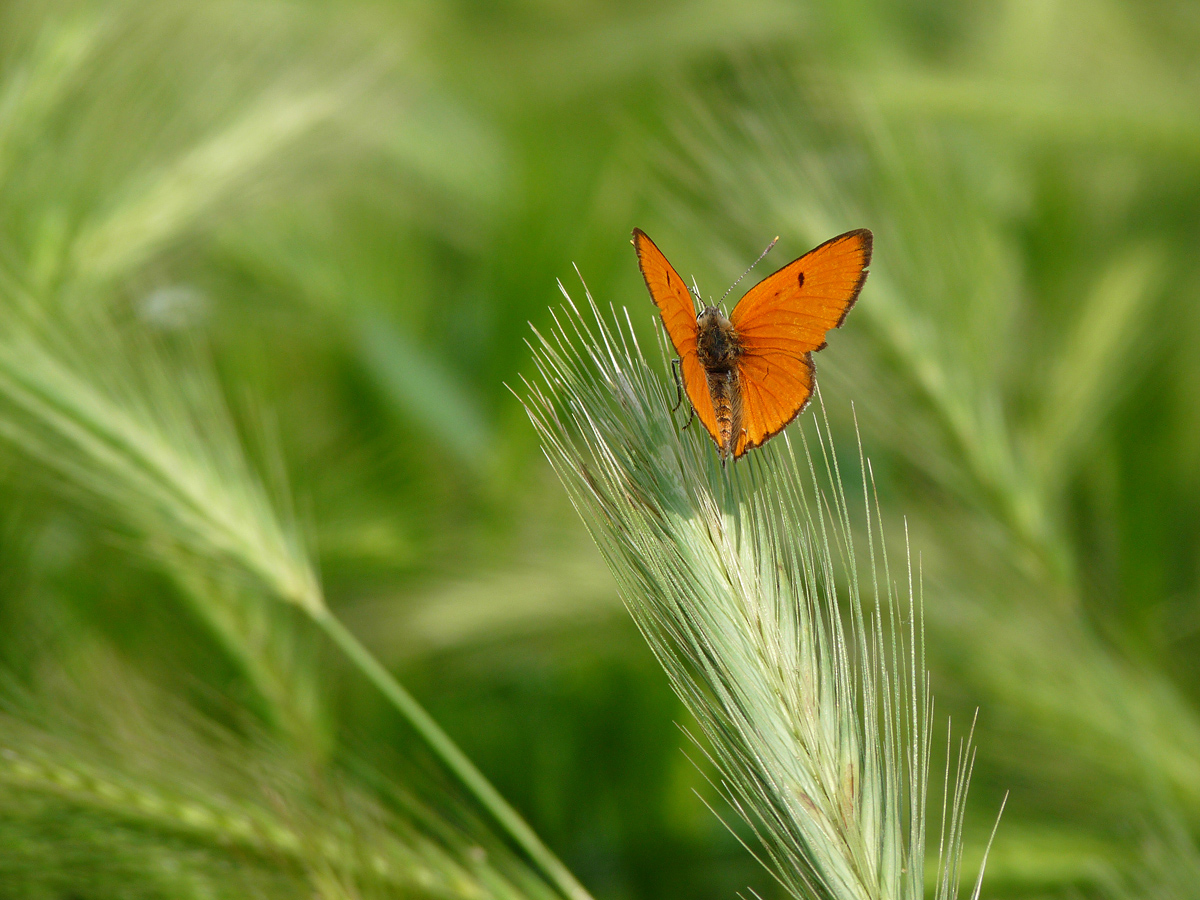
269 494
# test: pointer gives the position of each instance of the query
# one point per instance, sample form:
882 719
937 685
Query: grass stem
454 759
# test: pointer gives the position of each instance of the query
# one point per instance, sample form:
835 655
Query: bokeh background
282 257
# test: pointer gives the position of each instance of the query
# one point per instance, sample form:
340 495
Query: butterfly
747 376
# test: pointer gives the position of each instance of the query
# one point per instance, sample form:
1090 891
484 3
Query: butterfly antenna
696 291
752 265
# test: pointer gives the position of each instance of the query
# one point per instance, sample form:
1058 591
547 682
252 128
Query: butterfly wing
669 294
775 388
695 382
674 302
783 320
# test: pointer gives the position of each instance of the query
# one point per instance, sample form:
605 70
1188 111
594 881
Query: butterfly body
718 350
747 376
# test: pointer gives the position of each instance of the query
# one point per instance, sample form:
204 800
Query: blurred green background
300 244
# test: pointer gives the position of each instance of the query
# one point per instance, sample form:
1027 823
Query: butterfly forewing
792 309
674 303
669 293
782 320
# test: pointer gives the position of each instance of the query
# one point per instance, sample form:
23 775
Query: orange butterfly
749 375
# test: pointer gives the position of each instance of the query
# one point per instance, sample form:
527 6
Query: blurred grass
296 245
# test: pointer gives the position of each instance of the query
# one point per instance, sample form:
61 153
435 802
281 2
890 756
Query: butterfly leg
679 395
678 384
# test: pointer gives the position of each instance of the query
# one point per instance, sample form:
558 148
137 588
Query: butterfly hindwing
695 382
775 387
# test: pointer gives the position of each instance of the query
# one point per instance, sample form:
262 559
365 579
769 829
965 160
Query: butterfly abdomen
726 394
